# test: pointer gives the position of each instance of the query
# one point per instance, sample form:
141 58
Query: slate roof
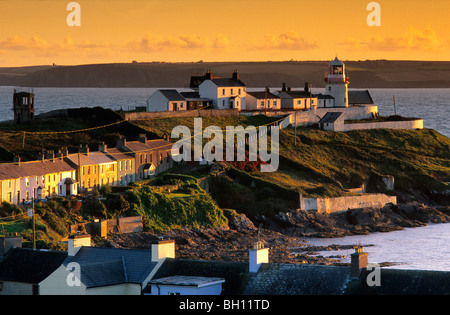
172 95
30 266
158 144
262 95
298 279
225 82
298 94
360 97
118 155
34 168
324 96
101 266
330 117
402 282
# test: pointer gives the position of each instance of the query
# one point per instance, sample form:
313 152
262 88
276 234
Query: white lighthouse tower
337 83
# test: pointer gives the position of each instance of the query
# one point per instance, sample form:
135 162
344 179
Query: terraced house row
65 174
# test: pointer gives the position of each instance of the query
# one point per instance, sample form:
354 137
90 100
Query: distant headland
364 74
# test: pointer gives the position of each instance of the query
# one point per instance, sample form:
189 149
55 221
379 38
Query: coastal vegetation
313 163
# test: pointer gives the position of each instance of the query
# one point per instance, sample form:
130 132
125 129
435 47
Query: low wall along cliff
329 205
183 113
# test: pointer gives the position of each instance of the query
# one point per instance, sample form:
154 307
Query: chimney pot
257 256
359 261
76 241
163 249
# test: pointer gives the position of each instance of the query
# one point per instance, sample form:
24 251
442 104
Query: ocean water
430 104
421 248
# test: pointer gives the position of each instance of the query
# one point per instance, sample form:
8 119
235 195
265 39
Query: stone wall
329 205
183 113
407 124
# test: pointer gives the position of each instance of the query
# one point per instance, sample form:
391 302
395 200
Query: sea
425 248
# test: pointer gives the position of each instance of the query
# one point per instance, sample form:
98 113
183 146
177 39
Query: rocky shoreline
286 234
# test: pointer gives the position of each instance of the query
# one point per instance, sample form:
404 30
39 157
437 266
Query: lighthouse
337 83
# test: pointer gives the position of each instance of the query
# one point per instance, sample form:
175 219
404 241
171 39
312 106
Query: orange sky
35 31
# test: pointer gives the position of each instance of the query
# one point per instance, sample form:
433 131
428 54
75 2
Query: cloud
181 42
285 41
412 39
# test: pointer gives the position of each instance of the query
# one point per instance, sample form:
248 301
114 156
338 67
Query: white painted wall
157 103
214 289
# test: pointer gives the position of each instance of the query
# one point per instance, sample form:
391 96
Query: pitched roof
172 95
360 97
149 145
298 94
225 82
324 96
330 117
262 95
403 282
298 279
118 155
33 168
30 266
101 266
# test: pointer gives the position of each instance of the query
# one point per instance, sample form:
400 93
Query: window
27 195
89 170
9 197
329 88
231 91
82 171
223 91
27 182
160 158
9 183
239 91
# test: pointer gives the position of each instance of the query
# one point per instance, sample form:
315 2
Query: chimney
62 153
258 255
306 86
284 88
50 155
84 149
163 249
10 240
142 138
359 261
17 160
121 143
41 155
102 147
208 75
76 241
235 75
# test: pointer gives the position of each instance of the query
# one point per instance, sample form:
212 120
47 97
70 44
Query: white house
264 100
325 100
225 93
166 100
333 121
297 99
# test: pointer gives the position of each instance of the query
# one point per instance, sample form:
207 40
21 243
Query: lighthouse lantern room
337 83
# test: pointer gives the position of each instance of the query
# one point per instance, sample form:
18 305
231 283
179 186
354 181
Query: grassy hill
313 162
363 74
